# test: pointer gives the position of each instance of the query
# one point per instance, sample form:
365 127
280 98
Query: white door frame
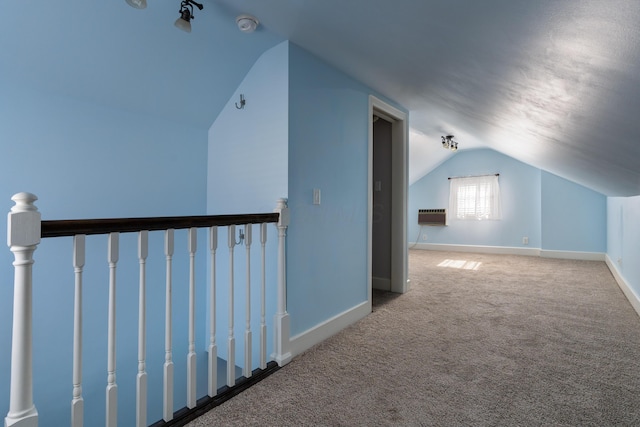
400 185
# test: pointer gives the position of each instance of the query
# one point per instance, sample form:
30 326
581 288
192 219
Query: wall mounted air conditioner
432 216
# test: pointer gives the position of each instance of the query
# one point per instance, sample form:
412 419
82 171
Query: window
476 197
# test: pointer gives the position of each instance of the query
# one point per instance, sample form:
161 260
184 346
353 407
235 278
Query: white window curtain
476 197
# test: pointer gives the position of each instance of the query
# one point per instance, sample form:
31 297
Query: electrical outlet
424 236
525 240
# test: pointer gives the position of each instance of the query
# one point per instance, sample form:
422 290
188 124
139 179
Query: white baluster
281 322
263 292
141 384
191 356
23 236
112 387
168 357
247 333
213 349
231 341
77 404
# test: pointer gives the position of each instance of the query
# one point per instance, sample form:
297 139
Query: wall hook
242 102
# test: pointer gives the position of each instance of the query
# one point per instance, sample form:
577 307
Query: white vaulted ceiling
555 84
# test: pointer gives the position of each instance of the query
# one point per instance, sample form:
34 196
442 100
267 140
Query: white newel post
23 236
282 347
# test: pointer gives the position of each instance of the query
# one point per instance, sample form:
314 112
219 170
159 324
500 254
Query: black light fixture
186 14
449 143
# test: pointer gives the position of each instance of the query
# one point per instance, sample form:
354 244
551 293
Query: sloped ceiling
553 84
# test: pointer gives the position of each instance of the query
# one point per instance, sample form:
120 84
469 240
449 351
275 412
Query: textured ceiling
553 84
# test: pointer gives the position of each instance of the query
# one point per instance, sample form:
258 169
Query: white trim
326 329
584 256
400 183
626 289
381 283
502 250
511 250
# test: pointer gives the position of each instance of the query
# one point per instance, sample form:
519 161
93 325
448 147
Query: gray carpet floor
480 340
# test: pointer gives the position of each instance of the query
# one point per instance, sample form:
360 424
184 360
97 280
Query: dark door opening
382 198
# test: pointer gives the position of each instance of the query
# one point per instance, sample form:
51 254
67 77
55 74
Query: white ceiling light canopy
247 23
137 4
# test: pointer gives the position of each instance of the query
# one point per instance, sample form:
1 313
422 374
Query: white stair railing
246 371
263 296
23 239
112 387
141 383
77 403
213 348
167 394
282 354
231 340
25 230
191 357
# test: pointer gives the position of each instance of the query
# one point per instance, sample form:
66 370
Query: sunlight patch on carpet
460 264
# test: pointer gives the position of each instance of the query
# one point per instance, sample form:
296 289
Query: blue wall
248 148
323 144
328 140
247 173
519 188
305 126
623 238
555 214
83 161
573 216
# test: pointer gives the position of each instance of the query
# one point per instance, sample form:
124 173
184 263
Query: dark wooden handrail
71 227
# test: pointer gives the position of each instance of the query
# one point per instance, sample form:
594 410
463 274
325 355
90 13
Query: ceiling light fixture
186 14
247 23
138 4
449 143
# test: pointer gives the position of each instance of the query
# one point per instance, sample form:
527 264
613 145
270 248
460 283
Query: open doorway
388 182
382 191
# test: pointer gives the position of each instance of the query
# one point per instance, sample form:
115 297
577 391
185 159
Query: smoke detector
247 23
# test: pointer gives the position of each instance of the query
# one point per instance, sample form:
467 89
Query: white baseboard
381 283
584 256
628 292
324 330
511 250
502 250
